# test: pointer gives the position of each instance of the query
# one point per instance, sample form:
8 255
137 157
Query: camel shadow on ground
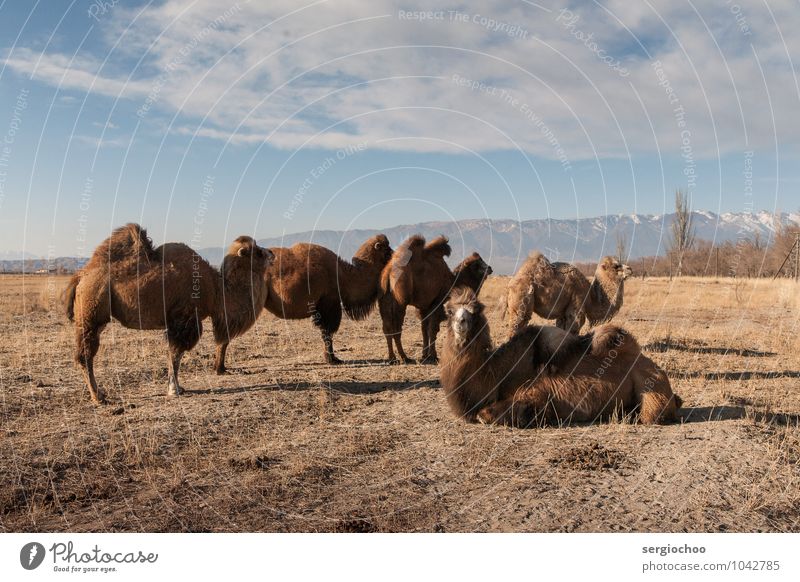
710 413
689 415
345 387
667 345
744 375
371 363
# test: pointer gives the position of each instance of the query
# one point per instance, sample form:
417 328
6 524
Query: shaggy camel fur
170 288
560 291
545 375
418 276
308 280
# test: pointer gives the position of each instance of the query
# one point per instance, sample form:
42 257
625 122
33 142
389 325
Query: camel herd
540 375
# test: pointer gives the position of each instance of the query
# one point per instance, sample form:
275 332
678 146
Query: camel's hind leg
653 393
657 406
181 337
87 342
327 317
392 316
434 320
424 323
91 313
219 359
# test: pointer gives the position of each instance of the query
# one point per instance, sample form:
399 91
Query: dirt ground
287 443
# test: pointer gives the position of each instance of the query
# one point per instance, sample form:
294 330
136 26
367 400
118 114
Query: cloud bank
564 81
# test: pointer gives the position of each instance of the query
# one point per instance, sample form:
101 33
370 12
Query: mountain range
505 243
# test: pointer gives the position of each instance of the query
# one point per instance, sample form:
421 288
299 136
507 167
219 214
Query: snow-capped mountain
506 243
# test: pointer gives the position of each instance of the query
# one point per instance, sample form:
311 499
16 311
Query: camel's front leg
503 412
174 362
526 412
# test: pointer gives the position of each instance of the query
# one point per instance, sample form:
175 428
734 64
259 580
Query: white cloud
336 73
97 142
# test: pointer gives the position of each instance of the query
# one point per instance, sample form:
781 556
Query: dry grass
286 443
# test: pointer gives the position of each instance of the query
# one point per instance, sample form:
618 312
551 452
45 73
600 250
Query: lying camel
544 375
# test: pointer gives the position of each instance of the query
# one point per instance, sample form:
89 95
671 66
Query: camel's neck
358 281
467 376
605 299
241 295
467 278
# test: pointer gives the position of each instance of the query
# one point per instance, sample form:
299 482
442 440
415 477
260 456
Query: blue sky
204 121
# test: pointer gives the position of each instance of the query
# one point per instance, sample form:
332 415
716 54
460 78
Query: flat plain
285 442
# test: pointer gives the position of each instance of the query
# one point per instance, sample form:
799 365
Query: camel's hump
439 246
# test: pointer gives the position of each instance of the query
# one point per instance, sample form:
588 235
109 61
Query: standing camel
545 375
418 276
560 291
170 287
310 281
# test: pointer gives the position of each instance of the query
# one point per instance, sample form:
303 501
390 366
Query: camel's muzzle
462 321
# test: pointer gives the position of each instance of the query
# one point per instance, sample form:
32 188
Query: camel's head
611 268
473 272
464 315
245 250
375 251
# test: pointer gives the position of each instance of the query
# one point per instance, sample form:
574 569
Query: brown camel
418 276
308 280
560 291
170 287
545 375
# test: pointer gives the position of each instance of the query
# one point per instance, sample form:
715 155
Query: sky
205 120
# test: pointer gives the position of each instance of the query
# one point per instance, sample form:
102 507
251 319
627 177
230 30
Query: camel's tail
69 296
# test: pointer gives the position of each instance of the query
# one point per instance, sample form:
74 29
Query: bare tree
622 247
682 229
